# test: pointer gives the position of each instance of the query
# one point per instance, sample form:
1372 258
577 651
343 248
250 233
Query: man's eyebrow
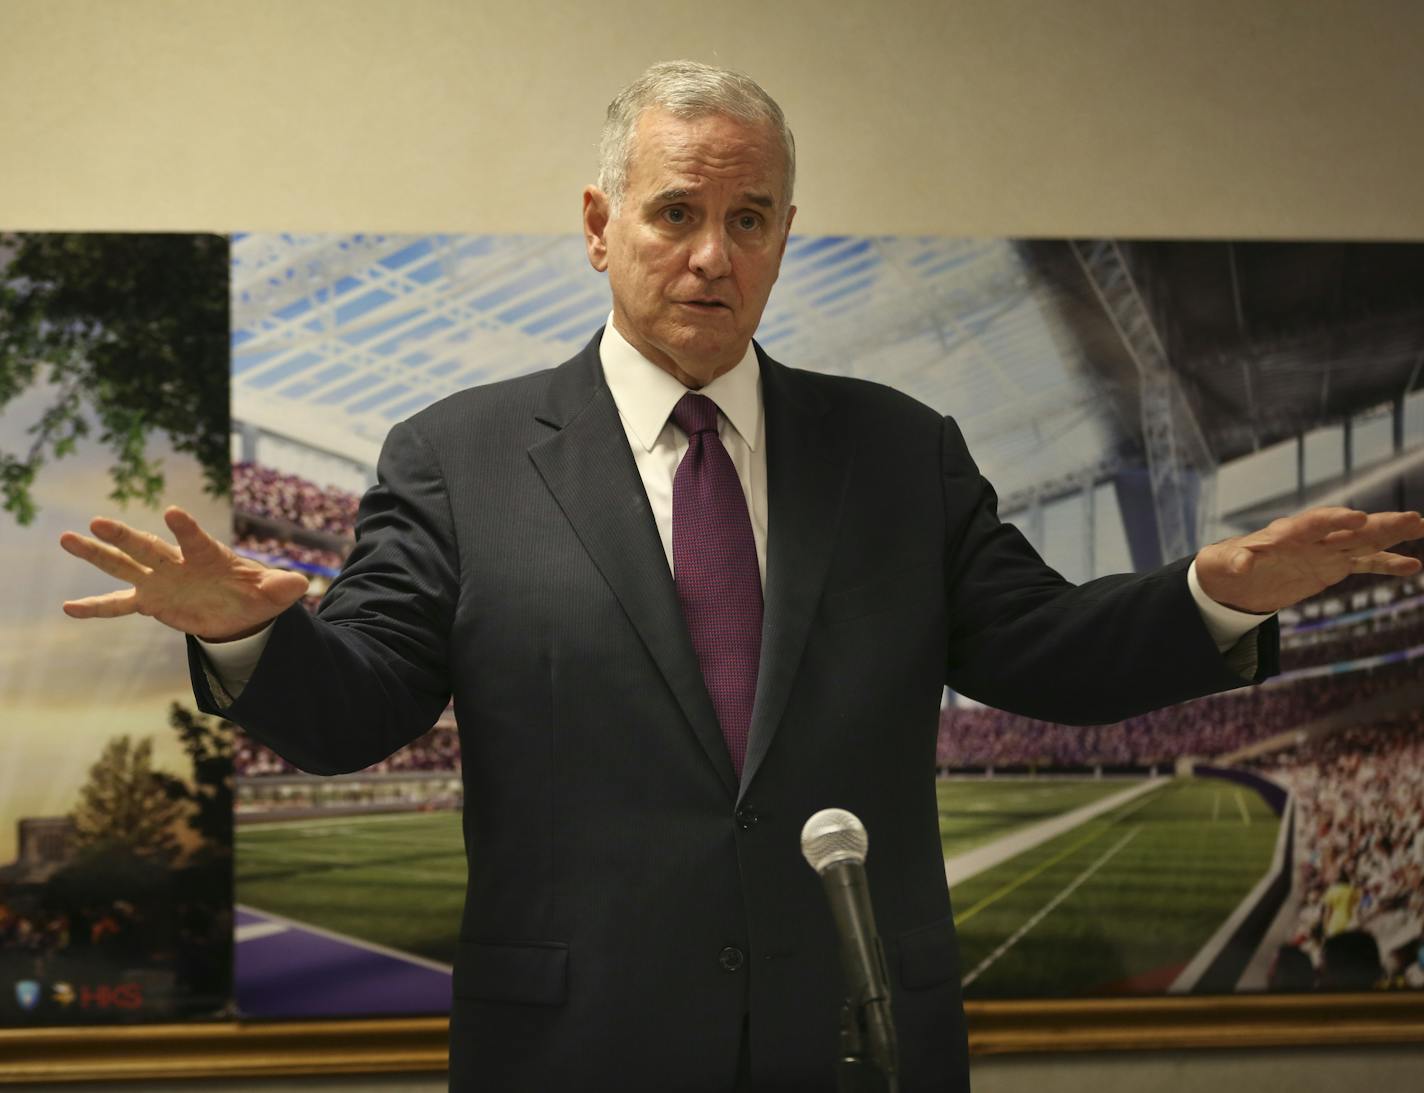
765 201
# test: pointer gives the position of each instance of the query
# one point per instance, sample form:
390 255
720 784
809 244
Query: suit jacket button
731 959
747 818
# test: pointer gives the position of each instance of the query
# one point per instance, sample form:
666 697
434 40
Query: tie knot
695 413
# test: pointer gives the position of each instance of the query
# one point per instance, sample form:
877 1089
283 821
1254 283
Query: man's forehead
675 157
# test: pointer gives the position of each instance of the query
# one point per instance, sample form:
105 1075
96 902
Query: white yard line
973 862
251 931
256 826
1047 909
1241 804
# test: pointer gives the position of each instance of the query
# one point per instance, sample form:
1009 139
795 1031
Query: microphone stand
857 1070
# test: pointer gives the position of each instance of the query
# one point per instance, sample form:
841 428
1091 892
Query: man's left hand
1297 556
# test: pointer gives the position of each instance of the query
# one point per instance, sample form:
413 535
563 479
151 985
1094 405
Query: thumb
283 586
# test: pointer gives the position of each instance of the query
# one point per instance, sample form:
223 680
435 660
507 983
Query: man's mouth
705 305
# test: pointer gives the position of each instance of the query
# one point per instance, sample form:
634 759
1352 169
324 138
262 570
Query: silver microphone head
833 835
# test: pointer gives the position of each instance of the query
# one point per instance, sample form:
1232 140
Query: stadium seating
1360 862
262 491
973 738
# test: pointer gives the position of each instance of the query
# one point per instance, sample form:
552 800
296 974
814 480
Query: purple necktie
715 568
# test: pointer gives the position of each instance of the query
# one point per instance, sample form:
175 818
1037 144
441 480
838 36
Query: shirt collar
645 394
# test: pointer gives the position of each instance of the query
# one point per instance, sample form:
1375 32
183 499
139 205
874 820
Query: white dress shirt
645 395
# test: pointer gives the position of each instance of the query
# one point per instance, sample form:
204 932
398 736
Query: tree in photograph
209 796
125 805
201 890
129 334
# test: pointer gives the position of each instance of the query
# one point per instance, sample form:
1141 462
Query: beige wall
1193 117
1209 117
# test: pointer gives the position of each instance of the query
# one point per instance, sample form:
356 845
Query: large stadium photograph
1130 402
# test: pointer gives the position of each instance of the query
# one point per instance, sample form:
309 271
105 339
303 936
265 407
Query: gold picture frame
419 1045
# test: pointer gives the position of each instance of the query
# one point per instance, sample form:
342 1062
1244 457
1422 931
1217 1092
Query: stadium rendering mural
115 797
1129 402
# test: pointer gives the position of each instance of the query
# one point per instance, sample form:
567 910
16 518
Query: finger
111 560
1385 529
195 543
140 545
108 606
1313 525
1382 531
1391 565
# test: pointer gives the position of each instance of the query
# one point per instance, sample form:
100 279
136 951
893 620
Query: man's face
697 242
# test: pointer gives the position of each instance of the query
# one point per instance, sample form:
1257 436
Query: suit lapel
806 462
589 469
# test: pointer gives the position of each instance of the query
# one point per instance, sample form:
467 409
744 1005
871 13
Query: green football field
979 811
1120 902
396 879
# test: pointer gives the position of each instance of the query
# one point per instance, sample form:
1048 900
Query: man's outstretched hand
198 586
1297 556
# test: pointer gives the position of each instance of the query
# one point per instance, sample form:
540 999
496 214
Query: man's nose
710 257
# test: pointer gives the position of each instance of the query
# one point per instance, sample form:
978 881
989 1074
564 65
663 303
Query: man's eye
748 222
675 215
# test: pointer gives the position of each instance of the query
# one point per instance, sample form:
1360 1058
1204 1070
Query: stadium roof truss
337 337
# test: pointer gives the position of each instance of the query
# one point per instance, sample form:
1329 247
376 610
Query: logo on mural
27 994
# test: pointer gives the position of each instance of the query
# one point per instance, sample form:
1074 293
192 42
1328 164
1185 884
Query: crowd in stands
253 760
437 750
979 737
289 499
269 547
263 491
1360 854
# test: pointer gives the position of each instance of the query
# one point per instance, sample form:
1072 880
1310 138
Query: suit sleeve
1024 639
370 672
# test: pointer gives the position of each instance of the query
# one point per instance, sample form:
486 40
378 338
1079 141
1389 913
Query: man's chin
707 358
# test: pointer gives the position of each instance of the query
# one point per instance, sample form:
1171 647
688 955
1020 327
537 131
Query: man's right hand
200 586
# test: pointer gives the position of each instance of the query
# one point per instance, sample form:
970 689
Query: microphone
833 843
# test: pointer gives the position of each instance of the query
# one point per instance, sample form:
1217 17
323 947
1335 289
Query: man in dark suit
684 596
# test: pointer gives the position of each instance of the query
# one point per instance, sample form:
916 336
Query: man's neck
694 381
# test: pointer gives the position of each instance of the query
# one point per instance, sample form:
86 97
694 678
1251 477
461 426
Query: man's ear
595 227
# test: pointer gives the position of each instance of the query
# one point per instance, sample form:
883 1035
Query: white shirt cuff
233 662
1226 625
